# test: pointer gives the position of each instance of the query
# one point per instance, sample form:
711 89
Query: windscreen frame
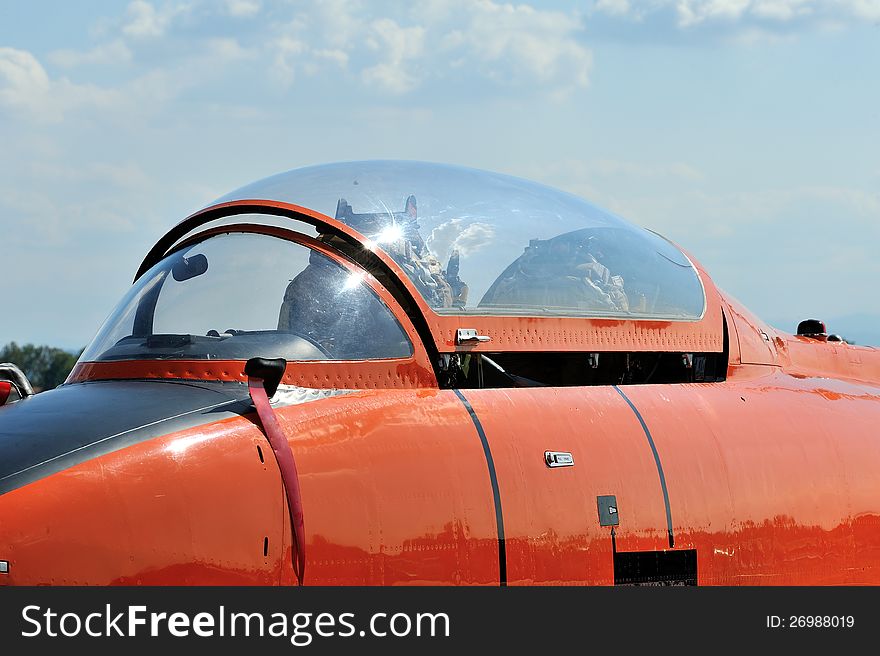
415 371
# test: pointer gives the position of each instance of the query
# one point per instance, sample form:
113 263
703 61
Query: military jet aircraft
399 373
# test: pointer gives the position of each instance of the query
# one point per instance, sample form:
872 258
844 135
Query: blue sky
748 131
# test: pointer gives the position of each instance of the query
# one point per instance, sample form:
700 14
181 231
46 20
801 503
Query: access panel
552 530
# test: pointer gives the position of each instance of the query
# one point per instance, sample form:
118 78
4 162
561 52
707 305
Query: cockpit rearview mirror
189 267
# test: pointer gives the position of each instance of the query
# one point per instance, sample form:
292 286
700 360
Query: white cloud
782 10
287 49
338 57
397 47
112 53
690 14
455 234
614 7
27 90
144 21
390 48
22 78
243 8
399 51
227 49
520 43
338 23
865 9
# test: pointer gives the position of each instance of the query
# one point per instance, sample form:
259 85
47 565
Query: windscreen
237 296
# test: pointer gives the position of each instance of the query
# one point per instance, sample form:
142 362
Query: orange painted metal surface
804 357
394 486
753 342
335 374
195 507
550 515
395 491
774 479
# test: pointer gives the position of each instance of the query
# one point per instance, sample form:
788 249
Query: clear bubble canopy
474 242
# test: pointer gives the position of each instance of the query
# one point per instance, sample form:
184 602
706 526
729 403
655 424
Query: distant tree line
45 366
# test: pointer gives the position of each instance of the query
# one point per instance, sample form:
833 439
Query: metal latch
4 567
558 459
464 335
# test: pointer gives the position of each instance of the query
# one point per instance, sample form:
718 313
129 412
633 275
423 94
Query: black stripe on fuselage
496 494
656 461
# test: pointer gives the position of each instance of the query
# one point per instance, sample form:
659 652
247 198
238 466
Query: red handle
289 476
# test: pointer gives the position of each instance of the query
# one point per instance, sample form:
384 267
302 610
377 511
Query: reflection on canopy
474 242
